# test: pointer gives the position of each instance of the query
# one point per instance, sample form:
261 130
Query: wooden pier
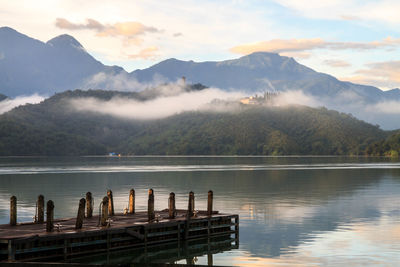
63 239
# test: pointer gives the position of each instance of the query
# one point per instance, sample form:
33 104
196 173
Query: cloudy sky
354 40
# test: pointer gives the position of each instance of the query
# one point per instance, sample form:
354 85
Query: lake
293 210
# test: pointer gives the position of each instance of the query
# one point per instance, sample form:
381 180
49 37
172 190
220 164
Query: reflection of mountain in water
279 209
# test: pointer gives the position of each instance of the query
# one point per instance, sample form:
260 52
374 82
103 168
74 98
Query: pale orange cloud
297 55
337 63
380 74
147 53
279 45
129 29
293 45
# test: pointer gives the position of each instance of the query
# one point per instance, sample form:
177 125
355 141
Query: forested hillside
53 127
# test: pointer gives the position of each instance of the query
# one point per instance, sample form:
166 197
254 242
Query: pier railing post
191 204
81 214
132 201
150 205
171 205
40 209
89 205
210 203
50 216
104 212
110 203
13 210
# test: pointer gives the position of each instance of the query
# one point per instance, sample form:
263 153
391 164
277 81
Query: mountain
55 127
3 97
261 71
30 66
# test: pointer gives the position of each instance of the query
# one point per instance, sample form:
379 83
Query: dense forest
390 147
53 127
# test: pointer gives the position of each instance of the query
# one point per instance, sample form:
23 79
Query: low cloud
121 82
146 54
293 45
9 104
130 29
178 34
388 107
161 107
296 98
337 63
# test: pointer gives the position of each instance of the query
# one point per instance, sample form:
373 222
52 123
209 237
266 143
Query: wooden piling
171 205
104 212
150 205
40 209
210 203
89 205
110 203
13 210
191 204
50 216
81 214
132 201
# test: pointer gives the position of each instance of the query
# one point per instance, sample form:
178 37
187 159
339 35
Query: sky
353 40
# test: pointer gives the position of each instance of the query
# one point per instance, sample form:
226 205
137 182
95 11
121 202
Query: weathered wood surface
66 226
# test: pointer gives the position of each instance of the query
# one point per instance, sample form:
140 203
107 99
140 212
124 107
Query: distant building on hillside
267 99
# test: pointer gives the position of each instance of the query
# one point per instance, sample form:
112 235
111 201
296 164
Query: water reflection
292 210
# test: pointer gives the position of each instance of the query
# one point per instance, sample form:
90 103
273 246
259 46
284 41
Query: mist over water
293 210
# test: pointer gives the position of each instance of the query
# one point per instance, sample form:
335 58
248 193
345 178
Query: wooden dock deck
31 242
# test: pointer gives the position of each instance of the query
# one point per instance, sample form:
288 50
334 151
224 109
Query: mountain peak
65 40
7 29
259 60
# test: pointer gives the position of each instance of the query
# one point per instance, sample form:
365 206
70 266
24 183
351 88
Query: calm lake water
293 210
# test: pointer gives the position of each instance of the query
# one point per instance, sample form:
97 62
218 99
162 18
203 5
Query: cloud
381 74
337 63
387 70
9 104
146 54
387 107
161 107
178 34
296 97
297 55
295 45
129 30
279 45
119 82
368 11
349 17
2 56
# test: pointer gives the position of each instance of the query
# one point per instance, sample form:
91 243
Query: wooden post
50 216
210 203
89 205
40 209
110 203
171 205
81 214
191 204
132 201
150 205
13 210
104 212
